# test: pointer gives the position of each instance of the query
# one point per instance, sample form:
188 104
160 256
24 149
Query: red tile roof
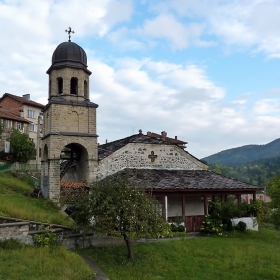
23 100
10 116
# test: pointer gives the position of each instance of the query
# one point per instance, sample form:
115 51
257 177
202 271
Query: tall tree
274 193
22 147
114 206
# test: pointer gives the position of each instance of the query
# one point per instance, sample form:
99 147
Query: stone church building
70 151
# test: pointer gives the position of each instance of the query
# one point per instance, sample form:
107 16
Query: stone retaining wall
24 231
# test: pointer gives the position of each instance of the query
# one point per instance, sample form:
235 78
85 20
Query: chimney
26 96
175 137
163 134
21 114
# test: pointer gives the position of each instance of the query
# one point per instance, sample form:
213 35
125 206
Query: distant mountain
245 154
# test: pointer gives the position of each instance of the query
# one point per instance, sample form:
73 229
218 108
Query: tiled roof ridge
9 115
23 100
181 179
164 137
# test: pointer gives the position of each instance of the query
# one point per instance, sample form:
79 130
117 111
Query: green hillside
245 154
256 172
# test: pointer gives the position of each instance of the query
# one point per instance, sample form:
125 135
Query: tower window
85 89
60 85
50 87
74 86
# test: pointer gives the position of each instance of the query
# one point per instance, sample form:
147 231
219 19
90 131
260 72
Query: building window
19 126
9 123
32 127
31 114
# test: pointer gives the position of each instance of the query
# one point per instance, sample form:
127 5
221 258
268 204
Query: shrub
181 228
212 225
241 226
173 228
46 239
275 216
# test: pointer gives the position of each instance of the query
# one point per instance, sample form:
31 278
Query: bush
212 225
173 228
46 239
241 226
275 216
181 228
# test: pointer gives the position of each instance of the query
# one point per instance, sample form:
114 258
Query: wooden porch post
254 197
239 198
166 207
163 207
184 210
223 198
205 205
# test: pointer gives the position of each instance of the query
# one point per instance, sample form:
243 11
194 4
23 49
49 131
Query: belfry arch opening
74 86
85 89
74 163
60 85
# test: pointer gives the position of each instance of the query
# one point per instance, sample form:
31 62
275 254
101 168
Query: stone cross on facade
152 156
69 31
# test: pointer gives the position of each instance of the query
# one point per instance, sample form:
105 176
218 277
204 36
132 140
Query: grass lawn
31 262
14 204
42 263
250 255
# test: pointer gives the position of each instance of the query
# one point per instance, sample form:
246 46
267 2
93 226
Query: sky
206 71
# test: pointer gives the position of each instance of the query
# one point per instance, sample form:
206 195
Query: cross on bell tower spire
69 31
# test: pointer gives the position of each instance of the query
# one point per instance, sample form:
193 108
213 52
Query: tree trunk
129 246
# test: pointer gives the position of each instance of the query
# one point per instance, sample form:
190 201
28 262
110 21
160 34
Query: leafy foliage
46 239
116 207
212 225
23 148
241 226
274 193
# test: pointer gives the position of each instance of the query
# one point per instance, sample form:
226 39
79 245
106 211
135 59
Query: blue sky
206 71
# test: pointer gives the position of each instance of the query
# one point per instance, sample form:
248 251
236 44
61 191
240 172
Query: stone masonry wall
21 232
67 73
17 231
139 156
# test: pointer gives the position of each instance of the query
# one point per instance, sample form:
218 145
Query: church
72 157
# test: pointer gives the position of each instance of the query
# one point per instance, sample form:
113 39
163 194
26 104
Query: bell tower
69 132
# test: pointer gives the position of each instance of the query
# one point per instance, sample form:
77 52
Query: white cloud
266 107
167 27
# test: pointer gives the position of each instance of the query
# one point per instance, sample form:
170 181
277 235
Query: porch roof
181 180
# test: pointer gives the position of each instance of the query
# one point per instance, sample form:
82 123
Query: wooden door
193 223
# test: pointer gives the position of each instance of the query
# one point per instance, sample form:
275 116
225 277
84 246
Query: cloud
181 100
167 27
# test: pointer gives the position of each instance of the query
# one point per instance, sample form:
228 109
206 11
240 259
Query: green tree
274 190
22 147
274 193
116 207
1 127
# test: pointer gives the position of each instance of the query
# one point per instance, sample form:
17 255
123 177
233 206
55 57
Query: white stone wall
194 205
136 155
249 221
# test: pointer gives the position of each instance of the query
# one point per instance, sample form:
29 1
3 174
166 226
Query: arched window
85 89
50 87
60 85
74 86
